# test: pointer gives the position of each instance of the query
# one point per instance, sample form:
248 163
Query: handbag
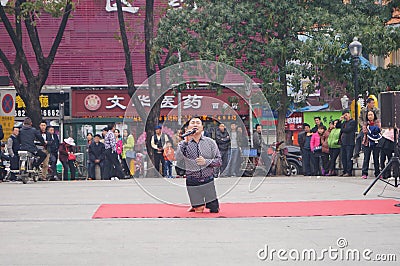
71 157
130 154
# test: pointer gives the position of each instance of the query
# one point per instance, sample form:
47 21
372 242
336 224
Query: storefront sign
7 123
115 103
294 122
326 117
49 103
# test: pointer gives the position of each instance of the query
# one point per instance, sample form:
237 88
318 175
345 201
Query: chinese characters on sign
294 122
49 103
126 6
189 101
8 123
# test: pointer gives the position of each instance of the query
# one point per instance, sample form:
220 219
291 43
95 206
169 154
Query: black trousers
71 166
333 154
110 163
225 159
53 163
202 193
159 158
14 165
42 156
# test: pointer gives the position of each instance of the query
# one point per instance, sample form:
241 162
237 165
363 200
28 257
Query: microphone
191 132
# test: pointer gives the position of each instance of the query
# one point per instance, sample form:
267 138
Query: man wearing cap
347 138
28 135
158 142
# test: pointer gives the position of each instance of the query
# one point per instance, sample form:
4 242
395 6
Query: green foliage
34 8
262 38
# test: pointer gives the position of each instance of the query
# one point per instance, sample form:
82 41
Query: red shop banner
294 122
115 103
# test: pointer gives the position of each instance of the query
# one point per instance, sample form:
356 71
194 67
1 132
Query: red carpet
258 209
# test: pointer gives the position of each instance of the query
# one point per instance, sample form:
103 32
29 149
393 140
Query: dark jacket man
96 152
347 132
347 139
28 135
222 138
53 143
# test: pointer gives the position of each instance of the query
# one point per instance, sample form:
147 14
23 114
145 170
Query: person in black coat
53 143
96 156
224 143
1 132
13 146
3 158
347 138
28 135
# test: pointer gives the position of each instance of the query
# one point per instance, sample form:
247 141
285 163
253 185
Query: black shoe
214 211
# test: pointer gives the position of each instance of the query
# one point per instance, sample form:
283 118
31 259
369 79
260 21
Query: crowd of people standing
321 146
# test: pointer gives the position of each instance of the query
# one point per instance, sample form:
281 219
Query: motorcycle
26 169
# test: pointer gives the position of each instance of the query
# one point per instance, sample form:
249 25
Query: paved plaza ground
49 223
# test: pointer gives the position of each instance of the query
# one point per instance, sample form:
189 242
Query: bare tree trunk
154 114
31 100
128 62
283 99
31 91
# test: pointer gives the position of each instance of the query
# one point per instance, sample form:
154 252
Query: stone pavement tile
49 223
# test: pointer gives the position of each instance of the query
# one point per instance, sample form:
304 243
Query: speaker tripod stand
393 163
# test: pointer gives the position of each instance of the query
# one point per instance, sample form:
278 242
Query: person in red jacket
65 150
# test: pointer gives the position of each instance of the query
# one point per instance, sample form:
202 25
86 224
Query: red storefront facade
90 52
91 56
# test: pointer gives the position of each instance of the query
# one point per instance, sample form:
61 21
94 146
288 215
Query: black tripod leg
387 167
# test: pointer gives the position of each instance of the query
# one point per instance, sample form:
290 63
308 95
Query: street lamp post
355 48
62 102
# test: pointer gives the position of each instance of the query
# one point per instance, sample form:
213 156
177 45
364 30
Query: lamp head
355 47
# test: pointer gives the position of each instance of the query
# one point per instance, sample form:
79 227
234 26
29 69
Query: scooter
26 170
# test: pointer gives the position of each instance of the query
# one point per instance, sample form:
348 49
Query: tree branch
18 31
34 38
61 29
13 72
6 62
17 44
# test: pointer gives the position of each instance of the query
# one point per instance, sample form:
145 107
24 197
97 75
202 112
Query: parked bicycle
80 166
278 154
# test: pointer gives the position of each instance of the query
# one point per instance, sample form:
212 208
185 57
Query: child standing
169 156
